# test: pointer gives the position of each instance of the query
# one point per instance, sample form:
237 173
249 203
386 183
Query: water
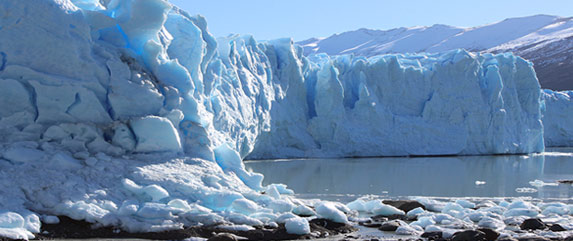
347 179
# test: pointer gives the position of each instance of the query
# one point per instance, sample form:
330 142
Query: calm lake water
346 179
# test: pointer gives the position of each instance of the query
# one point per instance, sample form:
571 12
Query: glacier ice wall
557 118
99 98
433 104
114 68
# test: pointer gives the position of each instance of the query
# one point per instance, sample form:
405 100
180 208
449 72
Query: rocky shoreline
530 229
73 229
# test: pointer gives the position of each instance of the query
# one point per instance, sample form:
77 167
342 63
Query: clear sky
302 19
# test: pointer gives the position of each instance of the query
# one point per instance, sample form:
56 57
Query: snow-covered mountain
545 40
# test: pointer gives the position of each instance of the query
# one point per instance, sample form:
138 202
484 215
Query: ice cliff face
557 118
126 74
100 98
443 104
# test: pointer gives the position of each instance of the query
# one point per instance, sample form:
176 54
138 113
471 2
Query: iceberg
129 113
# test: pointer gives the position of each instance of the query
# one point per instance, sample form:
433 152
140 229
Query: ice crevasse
129 113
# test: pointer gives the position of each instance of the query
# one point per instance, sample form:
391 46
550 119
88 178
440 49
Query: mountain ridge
546 40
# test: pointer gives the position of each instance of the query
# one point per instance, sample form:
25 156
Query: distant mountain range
545 40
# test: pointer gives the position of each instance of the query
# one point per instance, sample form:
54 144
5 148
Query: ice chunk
304 211
539 183
282 218
424 222
179 204
522 204
413 230
492 223
415 212
154 211
525 190
465 203
555 210
357 205
298 226
155 192
329 211
244 206
476 216
236 227
239 218
11 220
155 133
386 210
521 212
281 206
23 155
273 192
282 188
229 160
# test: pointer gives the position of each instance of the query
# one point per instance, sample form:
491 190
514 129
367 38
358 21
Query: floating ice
525 190
539 183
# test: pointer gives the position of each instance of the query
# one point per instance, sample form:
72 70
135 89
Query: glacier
557 118
129 113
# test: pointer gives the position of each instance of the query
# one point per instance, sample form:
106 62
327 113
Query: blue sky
302 19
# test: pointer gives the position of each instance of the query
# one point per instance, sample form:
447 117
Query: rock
223 237
389 226
565 182
507 239
557 228
469 235
532 224
372 225
432 235
404 205
533 239
382 218
379 219
490 234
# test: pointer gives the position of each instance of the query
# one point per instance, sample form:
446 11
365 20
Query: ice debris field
130 114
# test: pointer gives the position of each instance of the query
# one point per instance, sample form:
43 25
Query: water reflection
435 176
